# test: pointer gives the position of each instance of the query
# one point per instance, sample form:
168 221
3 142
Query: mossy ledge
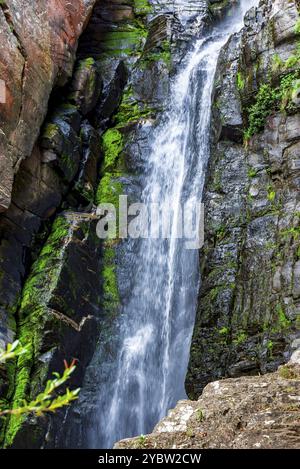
32 316
52 310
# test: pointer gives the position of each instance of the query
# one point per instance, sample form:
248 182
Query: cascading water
157 320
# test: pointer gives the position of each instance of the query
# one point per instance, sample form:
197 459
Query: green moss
130 110
297 27
277 63
112 144
288 372
218 7
129 35
240 338
271 194
111 297
293 232
127 41
109 190
252 173
224 331
44 270
162 54
283 321
270 345
50 131
89 62
240 81
221 232
199 415
213 294
142 7
32 316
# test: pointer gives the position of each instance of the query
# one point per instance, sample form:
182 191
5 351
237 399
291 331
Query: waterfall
157 320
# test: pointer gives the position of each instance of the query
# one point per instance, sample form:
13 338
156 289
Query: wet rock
86 86
85 184
111 96
244 413
62 146
251 200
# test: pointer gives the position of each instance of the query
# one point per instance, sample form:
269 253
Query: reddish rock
38 41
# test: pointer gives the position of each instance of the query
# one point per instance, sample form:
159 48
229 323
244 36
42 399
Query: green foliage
47 401
224 331
12 351
262 109
252 173
240 338
270 99
283 321
293 232
141 441
277 63
240 81
270 345
297 27
200 415
142 7
289 84
271 194
288 372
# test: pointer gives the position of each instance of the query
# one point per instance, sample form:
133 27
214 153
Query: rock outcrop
248 314
241 413
38 47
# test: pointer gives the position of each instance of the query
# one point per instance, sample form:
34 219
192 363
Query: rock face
248 314
241 413
38 46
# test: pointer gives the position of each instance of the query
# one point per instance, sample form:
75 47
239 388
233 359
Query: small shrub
297 27
288 372
47 401
240 81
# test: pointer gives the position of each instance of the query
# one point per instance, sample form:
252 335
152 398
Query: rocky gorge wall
90 148
248 314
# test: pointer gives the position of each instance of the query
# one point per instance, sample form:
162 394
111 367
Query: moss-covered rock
57 309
